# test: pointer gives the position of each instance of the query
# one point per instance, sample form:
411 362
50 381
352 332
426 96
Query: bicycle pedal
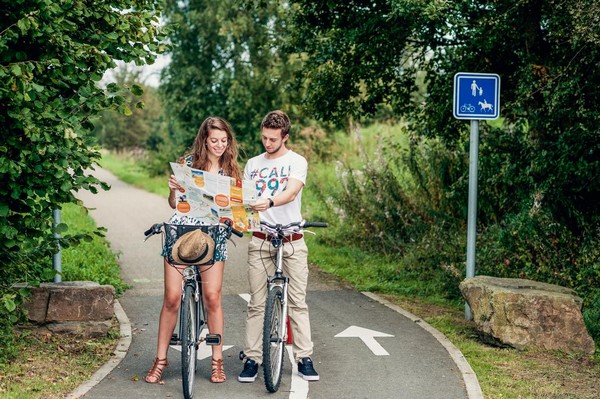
213 339
175 340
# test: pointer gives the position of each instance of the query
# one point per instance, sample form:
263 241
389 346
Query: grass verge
50 366
90 260
131 171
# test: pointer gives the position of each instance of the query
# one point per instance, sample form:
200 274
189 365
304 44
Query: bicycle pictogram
467 108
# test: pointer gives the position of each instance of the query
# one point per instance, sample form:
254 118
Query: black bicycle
192 312
275 325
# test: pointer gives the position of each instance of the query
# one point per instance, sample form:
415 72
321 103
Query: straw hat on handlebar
193 248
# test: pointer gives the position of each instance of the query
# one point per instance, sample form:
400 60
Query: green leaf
24 25
119 100
61 228
137 90
9 302
16 70
37 87
125 110
112 88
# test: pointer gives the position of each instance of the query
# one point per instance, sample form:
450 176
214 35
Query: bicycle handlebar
157 228
300 225
315 224
237 232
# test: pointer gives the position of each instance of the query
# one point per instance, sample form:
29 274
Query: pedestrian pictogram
476 95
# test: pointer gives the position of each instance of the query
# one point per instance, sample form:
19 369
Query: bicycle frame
276 328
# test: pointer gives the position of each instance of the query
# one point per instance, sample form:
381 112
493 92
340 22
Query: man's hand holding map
213 197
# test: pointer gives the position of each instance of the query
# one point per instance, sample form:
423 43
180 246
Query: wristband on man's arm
271 203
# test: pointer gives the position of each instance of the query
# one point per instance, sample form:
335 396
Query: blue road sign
476 95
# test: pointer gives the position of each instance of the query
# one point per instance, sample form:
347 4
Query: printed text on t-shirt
272 179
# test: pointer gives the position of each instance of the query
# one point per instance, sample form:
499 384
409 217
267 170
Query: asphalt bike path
364 347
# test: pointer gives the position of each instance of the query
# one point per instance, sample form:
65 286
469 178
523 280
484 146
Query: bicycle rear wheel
273 339
189 341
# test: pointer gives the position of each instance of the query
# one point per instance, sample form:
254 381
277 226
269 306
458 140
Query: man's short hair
277 120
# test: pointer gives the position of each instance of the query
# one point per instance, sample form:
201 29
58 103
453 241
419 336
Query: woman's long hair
228 161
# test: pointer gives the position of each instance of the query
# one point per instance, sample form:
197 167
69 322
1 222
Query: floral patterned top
219 233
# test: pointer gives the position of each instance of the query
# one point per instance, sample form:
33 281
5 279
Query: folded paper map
215 198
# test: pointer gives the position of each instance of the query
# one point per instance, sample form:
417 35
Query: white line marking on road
367 336
298 386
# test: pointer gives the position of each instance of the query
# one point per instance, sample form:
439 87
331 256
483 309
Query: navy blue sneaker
250 371
306 369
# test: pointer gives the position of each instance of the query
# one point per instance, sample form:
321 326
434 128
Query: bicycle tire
189 341
273 339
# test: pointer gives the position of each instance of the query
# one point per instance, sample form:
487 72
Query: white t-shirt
271 177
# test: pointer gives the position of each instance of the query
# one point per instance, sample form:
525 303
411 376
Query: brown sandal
155 373
217 374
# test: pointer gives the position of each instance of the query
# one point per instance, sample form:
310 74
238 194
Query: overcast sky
151 73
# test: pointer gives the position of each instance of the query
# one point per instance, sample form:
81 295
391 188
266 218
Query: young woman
215 151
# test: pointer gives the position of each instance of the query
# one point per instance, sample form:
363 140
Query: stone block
525 313
81 308
37 304
88 329
80 301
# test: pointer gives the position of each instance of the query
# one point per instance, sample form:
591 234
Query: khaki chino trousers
261 255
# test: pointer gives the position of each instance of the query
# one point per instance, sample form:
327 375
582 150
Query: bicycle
192 311
467 108
275 325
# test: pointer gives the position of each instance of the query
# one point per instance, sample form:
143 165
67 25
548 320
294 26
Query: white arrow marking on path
204 351
245 297
368 337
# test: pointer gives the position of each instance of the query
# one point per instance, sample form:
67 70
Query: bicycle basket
183 247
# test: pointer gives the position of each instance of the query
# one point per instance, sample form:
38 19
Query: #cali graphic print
271 177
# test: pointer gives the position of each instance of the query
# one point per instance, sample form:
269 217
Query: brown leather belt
263 236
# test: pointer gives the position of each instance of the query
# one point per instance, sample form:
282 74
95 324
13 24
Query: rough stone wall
81 308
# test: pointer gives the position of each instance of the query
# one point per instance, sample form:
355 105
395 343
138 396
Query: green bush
409 201
591 317
532 245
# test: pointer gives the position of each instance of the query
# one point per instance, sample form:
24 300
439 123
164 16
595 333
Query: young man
280 175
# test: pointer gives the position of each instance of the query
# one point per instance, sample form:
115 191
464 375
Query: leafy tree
52 54
358 56
140 126
363 53
539 190
228 61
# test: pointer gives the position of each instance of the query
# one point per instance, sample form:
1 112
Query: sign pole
476 97
472 211
57 257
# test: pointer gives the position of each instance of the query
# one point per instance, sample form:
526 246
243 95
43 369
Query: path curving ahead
364 346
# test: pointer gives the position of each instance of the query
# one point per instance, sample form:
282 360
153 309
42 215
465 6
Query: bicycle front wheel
189 341
273 339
